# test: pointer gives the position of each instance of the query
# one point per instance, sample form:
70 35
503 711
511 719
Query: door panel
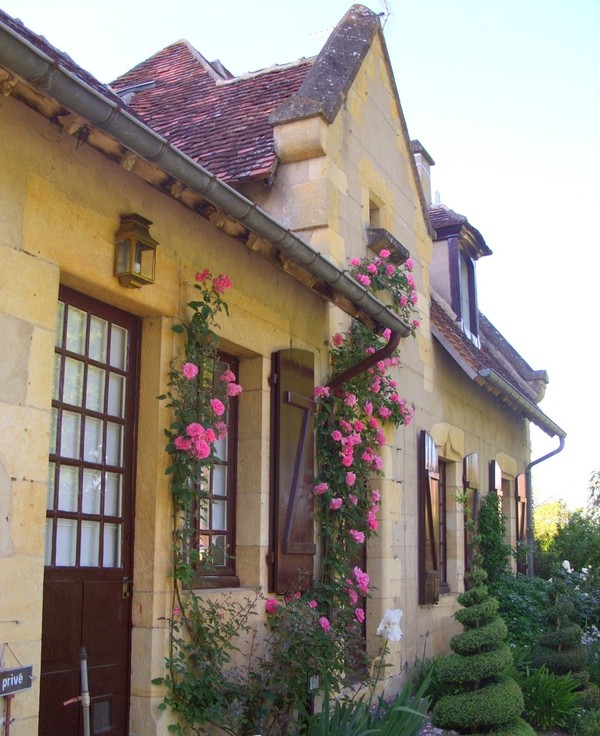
89 518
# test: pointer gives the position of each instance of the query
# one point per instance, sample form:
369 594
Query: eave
93 116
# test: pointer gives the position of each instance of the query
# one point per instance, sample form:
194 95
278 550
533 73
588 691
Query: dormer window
467 297
457 246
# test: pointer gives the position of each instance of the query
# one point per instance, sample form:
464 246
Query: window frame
221 576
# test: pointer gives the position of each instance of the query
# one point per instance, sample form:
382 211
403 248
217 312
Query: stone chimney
424 163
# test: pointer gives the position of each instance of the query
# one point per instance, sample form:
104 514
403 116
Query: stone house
275 178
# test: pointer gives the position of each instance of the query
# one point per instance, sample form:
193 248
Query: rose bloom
195 430
336 435
364 280
233 389
221 284
271 605
227 376
189 370
201 276
321 392
312 604
201 449
338 339
372 268
384 253
321 488
355 261
183 443
217 406
359 614
324 621
350 479
335 503
410 264
220 430
352 596
358 537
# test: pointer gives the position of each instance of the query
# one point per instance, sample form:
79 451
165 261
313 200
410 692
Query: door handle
127 583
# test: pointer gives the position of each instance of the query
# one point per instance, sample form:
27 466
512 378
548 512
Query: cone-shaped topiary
560 648
485 699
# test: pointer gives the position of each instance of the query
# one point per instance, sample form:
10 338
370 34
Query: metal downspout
529 494
24 59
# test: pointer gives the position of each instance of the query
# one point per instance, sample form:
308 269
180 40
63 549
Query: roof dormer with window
457 247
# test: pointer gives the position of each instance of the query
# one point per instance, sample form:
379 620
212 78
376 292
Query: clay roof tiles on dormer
219 121
448 223
494 353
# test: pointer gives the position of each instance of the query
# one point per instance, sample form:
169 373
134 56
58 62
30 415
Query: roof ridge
267 70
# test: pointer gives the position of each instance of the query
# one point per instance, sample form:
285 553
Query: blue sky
505 96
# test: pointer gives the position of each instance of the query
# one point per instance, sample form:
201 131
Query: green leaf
178 328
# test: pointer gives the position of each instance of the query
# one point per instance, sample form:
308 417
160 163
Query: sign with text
12 681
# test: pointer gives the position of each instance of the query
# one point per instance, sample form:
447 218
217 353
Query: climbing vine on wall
307 633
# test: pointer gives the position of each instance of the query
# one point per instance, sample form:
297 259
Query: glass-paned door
89 511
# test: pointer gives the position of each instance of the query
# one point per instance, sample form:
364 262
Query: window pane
60 315
90 544
94 394
76 324
53 425
68 488
112 546
92 446
70 434
66 542
219 515
219 480
112 495
221 448
219 549
98 339
118 347
116 395
48 543
73 382
56 377
90 500
203 510
114 442
51 486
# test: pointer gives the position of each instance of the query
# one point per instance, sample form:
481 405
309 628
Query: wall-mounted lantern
135 252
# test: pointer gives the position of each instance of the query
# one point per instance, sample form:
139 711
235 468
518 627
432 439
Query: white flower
389 626
567 565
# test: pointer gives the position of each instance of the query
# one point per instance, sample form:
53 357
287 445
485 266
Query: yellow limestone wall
328 177
59 210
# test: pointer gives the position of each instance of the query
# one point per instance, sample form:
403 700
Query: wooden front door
87 591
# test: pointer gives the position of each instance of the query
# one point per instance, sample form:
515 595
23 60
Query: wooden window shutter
471 489
429 521
521 504
293 457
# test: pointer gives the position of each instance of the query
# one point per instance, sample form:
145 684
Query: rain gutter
37 68
534 414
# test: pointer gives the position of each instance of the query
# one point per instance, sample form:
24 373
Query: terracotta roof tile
494 352
219 121
58 56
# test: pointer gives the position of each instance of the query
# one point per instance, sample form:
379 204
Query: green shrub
457 669
522 601
489 708
586 724
550 700
481 639
478 614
